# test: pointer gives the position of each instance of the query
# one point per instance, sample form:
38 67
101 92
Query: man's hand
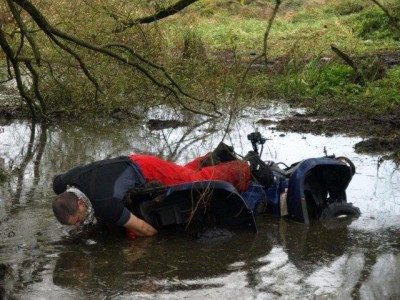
139 227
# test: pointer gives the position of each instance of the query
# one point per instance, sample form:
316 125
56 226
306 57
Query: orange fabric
168 173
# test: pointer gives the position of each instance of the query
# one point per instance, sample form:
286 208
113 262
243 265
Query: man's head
69 209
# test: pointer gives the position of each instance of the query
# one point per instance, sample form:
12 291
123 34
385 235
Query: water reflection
310 246
170 262
383 280
284 260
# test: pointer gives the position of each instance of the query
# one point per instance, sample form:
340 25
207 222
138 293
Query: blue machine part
330 174
178 204
300 192
254 196
307 185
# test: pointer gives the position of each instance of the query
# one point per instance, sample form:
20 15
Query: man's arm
139 227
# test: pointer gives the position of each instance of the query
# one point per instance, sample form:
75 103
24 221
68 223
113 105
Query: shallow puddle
40 259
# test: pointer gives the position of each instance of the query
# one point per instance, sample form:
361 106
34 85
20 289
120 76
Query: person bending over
95 192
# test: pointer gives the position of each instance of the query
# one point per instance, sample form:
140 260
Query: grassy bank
208 46
302 67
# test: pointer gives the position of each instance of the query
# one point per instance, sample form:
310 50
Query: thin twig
168 11
50 30
24 30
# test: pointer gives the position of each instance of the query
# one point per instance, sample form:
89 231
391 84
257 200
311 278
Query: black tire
335 210
348 162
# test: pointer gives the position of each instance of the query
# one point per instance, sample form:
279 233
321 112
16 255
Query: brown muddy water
40 259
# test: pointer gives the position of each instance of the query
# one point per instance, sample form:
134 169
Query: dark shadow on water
308 246
143 264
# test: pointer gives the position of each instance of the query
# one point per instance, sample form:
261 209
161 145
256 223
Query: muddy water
40 259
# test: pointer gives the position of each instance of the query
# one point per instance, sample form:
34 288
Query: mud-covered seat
192 202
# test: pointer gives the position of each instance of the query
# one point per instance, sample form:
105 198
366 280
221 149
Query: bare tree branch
265 45
268 30
166 82
35 83
262 55
162 69
345 57
17 73
168 11
24 30
350 62
78 59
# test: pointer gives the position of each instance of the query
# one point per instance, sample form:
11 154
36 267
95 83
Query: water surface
40 259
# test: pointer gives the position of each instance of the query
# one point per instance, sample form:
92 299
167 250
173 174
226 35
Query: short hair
64 206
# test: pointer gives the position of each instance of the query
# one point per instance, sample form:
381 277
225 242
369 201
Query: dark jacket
105 183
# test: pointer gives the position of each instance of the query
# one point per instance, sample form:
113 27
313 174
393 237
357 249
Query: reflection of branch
174 154
38 159
28 157
166 12
34 152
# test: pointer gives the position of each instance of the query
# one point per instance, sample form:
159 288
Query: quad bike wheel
339 209
339 215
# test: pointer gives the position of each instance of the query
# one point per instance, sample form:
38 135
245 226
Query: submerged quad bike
312 189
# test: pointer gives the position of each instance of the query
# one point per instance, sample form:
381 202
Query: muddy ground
381 133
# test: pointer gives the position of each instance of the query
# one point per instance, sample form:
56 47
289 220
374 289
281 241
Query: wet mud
381 134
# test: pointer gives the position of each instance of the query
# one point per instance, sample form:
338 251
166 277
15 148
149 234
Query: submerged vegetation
335 57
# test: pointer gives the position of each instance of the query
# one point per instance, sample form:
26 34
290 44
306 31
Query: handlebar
256 139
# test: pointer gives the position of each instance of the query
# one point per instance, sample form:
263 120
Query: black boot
259 169
222 153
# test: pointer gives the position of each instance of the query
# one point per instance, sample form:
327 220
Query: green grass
303 34
300 30
207 46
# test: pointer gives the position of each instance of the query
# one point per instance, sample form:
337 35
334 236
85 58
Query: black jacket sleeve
58 184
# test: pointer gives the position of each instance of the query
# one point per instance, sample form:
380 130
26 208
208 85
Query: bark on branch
17 73
265 44
347 59
166 12
258 57
24 31
156 74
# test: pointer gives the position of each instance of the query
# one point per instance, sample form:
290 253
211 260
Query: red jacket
155 169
